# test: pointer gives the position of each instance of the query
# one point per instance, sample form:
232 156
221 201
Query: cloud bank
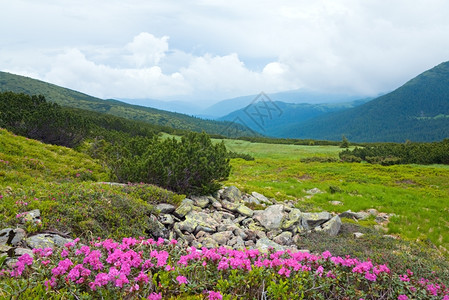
204 51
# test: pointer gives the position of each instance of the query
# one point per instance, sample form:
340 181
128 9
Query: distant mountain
272 117
227 106
417 111
71 98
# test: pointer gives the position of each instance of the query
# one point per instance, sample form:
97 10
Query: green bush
192 165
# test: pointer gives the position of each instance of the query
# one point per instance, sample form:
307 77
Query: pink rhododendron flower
402 297
215 295
154 296
181 280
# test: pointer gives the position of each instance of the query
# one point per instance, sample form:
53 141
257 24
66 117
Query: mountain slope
284 115
70 98
417 111
227 106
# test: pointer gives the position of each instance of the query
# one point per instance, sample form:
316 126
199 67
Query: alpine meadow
333 183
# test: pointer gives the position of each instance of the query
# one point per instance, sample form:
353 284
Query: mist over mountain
416 111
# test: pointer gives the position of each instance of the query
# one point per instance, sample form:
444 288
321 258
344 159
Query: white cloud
147 50
211 50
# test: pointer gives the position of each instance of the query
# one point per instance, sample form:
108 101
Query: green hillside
417 111
74 99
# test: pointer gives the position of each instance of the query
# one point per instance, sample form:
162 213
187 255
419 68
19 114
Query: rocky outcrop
228 220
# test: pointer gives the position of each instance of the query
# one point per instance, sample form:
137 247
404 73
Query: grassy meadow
418 195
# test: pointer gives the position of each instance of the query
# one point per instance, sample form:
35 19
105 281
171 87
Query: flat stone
251 200
216 204
202 201
311 220
222 237
336 203
230 205
358 235
209 242
183 210
22 251
165 208
166 219
284 238
157 229
314 191
294 216
331 227
232 194
264 244
354 215
244 210
46 240
261 197
272 217
372 212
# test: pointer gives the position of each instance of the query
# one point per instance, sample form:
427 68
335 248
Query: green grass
64 185
419 195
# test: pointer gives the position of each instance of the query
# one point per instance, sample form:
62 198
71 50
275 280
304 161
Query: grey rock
12 236
372 212
230 205
331 227
241 233
336 203
264 244
245 211
216 204
251 200
222 237
250 244
284 238
294 216
261 197
354 215
209 242
272 233
166 219
165 208
358 235
183 209
46 240
202 201
22 251
232 194
239 219
314 191
271 217
157 229
311 220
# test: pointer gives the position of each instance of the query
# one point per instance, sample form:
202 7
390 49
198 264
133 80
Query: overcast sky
204 51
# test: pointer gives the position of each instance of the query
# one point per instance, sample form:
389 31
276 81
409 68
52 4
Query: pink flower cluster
130 265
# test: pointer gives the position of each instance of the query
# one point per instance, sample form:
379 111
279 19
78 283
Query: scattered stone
264 244
311 220
285 238
244 210
261 197
222 237
157 228
314 191
46 240
11 236
166 219
372 212
184 209
232 194
331 227
165 208
358 235
202 201
231 206
336 203
354 215
33 216
271 217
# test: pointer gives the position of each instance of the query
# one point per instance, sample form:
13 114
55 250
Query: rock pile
228 220
206 221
